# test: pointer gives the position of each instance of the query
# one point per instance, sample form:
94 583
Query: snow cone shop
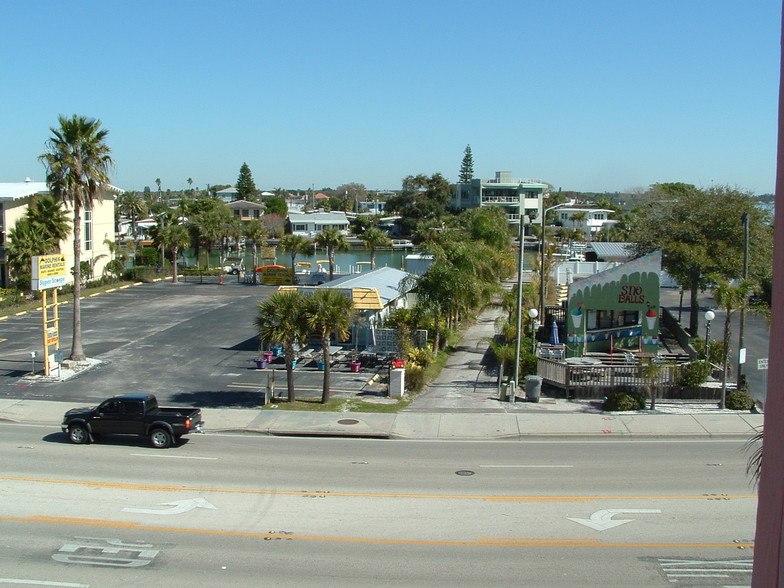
615 311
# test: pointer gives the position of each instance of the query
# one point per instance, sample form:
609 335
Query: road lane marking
480 542
177 507
154 488
524 466
42 583
167 456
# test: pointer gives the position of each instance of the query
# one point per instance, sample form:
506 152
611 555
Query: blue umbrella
554 340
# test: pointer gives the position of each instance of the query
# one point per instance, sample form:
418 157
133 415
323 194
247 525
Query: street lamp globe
709 315
533 313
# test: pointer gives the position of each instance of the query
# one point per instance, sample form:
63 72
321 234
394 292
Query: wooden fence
595 381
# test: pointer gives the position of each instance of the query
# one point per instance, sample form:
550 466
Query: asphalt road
250 511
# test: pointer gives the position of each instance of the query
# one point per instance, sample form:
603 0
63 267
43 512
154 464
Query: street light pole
533 313
742 326
513 383
709 316
542 276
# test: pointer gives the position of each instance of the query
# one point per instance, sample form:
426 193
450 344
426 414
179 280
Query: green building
616 310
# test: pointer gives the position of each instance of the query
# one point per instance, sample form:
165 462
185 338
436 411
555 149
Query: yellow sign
49 271
51 336
275 275
50 266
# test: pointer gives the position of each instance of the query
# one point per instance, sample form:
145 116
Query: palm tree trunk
289 357
77 353
325 358
174 265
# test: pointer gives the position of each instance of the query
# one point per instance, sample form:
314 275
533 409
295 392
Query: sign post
49 272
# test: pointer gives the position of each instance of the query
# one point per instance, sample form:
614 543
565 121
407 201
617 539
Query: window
611 319
132 407
88 230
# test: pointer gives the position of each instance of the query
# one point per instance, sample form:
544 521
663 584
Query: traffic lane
513 469
89 556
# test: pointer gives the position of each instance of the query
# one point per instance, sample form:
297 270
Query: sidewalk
439 426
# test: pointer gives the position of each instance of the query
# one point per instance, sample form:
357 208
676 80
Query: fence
595 381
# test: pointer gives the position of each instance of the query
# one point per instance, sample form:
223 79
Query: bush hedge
738 400
621 400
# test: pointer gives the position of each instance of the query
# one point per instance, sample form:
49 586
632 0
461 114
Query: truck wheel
160 438
78 434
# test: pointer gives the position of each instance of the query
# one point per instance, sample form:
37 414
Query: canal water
346 262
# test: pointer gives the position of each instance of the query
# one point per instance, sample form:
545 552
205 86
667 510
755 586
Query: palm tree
132 205
176 237
328 311
48 213
295 245
730 298
77 161
158 181
375 238
281 319
332 240
26 240
256 232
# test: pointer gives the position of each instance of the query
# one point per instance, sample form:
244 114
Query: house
229 194
371 207
310 224
521 198
246 211
587 220
97 226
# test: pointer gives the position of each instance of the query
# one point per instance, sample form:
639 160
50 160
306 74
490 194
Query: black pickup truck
132 414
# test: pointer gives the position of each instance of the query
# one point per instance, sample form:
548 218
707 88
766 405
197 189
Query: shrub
415 378
739 400
694 373
617 401
421 356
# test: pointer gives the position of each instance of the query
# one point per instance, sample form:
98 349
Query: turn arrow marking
602 520
177 507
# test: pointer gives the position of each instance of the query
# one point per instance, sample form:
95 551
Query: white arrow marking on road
602 520
177 507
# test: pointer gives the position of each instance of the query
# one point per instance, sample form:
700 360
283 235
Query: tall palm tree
281 320
158 181
332 240
295 245
77 161
328 311
375 238
256 232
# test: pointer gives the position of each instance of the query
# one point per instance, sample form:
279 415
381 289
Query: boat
402 244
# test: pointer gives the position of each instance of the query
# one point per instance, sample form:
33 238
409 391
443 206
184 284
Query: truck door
108 418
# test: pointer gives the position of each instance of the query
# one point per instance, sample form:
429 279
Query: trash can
533 388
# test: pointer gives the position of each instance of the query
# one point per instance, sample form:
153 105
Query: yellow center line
481 542
162 488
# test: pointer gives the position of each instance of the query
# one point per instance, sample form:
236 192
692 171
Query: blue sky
597 95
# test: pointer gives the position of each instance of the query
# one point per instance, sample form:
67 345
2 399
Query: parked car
132 414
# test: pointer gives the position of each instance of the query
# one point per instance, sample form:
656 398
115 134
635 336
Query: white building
97 226
310 224
587 220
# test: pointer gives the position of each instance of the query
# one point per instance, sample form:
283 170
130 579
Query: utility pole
742 328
